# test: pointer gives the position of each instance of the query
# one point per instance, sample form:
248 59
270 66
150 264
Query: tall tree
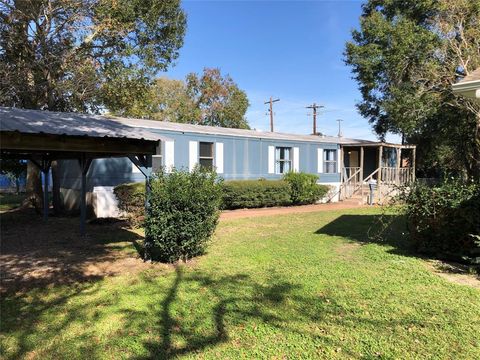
218 99
67 55
405 57
165 99
207 99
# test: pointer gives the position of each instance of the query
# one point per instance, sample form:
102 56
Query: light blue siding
244 158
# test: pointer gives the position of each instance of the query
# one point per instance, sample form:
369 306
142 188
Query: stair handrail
369 177
344 184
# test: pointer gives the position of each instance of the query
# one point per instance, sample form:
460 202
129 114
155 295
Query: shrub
444 220
183 213
255 193
304 188
131 200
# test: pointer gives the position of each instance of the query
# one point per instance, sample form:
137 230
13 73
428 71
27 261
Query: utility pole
339 127
314 107
271 101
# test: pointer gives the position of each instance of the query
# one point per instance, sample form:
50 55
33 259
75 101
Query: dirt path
246 213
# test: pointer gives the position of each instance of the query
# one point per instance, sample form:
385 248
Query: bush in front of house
444 220
295 189
238 194
182 215
304 188
131 200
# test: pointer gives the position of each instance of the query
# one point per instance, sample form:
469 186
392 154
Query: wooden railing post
361 169
399 160
379 176
413 163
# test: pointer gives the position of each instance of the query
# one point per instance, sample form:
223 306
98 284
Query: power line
271 101
314 107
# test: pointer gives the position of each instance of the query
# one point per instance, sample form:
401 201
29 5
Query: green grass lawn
10 201
295 286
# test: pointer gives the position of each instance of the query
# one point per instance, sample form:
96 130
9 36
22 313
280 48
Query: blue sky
287 49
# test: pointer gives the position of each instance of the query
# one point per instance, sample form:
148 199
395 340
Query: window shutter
296 159
320 161
271 159
219 157
339 158
192 154
169 156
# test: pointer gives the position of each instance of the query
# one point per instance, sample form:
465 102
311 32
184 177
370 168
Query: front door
353 159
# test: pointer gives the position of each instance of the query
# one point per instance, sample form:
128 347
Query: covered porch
384 164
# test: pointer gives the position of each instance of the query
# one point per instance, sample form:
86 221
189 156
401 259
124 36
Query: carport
44 136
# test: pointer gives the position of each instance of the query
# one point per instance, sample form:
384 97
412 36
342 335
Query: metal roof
71 124
215 130
75 124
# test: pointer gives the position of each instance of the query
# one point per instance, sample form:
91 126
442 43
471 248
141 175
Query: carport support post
45 169
144 164
45 194
84 166
44 166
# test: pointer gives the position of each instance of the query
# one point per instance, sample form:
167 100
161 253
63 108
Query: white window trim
207 157
296 159
168 153
218 157
271 159
325 162
320 160
339 160
283 160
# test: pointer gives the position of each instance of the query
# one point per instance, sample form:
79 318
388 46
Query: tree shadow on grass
24 319
389 230
193 313
237 301
35 254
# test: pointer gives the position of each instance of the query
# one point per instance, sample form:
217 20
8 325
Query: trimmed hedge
255 193
182 215
295 189
304 188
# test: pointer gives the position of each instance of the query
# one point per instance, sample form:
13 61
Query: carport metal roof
66 134
44 136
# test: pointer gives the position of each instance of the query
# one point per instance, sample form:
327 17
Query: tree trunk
34 187
56 199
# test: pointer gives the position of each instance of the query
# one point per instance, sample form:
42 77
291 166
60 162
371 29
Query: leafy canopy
207 99
80 55
405 57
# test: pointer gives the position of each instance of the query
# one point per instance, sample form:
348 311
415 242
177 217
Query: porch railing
387 179
396 176
352 182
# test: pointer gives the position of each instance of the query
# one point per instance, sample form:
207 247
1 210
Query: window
157 159
330 161
283 160
205 158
